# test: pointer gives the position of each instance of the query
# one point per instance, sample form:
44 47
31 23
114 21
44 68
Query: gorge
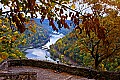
42 53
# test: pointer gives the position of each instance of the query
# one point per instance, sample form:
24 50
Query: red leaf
51 23
76 21
77 14
20 17
57 9
61 11
88 32
101 33
66 25
21 27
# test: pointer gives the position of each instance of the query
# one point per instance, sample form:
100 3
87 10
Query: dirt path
47 74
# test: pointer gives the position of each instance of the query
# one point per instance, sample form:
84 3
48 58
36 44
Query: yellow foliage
73 6
14 55
13 38
0 21
1 59
103 67
16 32
24 41
4 26
4 55
118 67
6 38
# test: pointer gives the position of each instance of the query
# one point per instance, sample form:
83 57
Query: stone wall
80 71
7 75
18 76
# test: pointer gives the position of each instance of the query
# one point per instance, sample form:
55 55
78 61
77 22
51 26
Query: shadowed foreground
30 69
46 74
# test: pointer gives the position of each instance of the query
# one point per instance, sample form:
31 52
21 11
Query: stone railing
80 71
18 76
3 65
7 75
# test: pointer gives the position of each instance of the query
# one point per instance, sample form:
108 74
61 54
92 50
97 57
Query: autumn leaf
61 11
66 26
13 38
73 6
4 55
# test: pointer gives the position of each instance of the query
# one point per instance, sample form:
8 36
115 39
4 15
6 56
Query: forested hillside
9 41
39 33
95 41
13 43
69 47
46 26
35 37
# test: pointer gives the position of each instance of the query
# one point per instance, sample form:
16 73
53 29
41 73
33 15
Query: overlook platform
27 69
46 74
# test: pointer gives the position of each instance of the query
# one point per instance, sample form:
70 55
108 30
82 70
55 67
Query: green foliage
97 35
9 41
35 36
12 42
54 53
70 47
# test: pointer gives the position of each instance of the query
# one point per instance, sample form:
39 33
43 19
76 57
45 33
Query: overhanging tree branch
107 56
64 6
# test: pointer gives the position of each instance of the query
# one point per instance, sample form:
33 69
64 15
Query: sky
5 8
88 10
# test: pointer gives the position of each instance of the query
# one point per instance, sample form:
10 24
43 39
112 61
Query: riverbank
42 53
24 48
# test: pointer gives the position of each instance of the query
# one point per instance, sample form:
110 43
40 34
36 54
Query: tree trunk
96 61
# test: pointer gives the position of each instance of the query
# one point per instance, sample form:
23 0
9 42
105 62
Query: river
42 53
